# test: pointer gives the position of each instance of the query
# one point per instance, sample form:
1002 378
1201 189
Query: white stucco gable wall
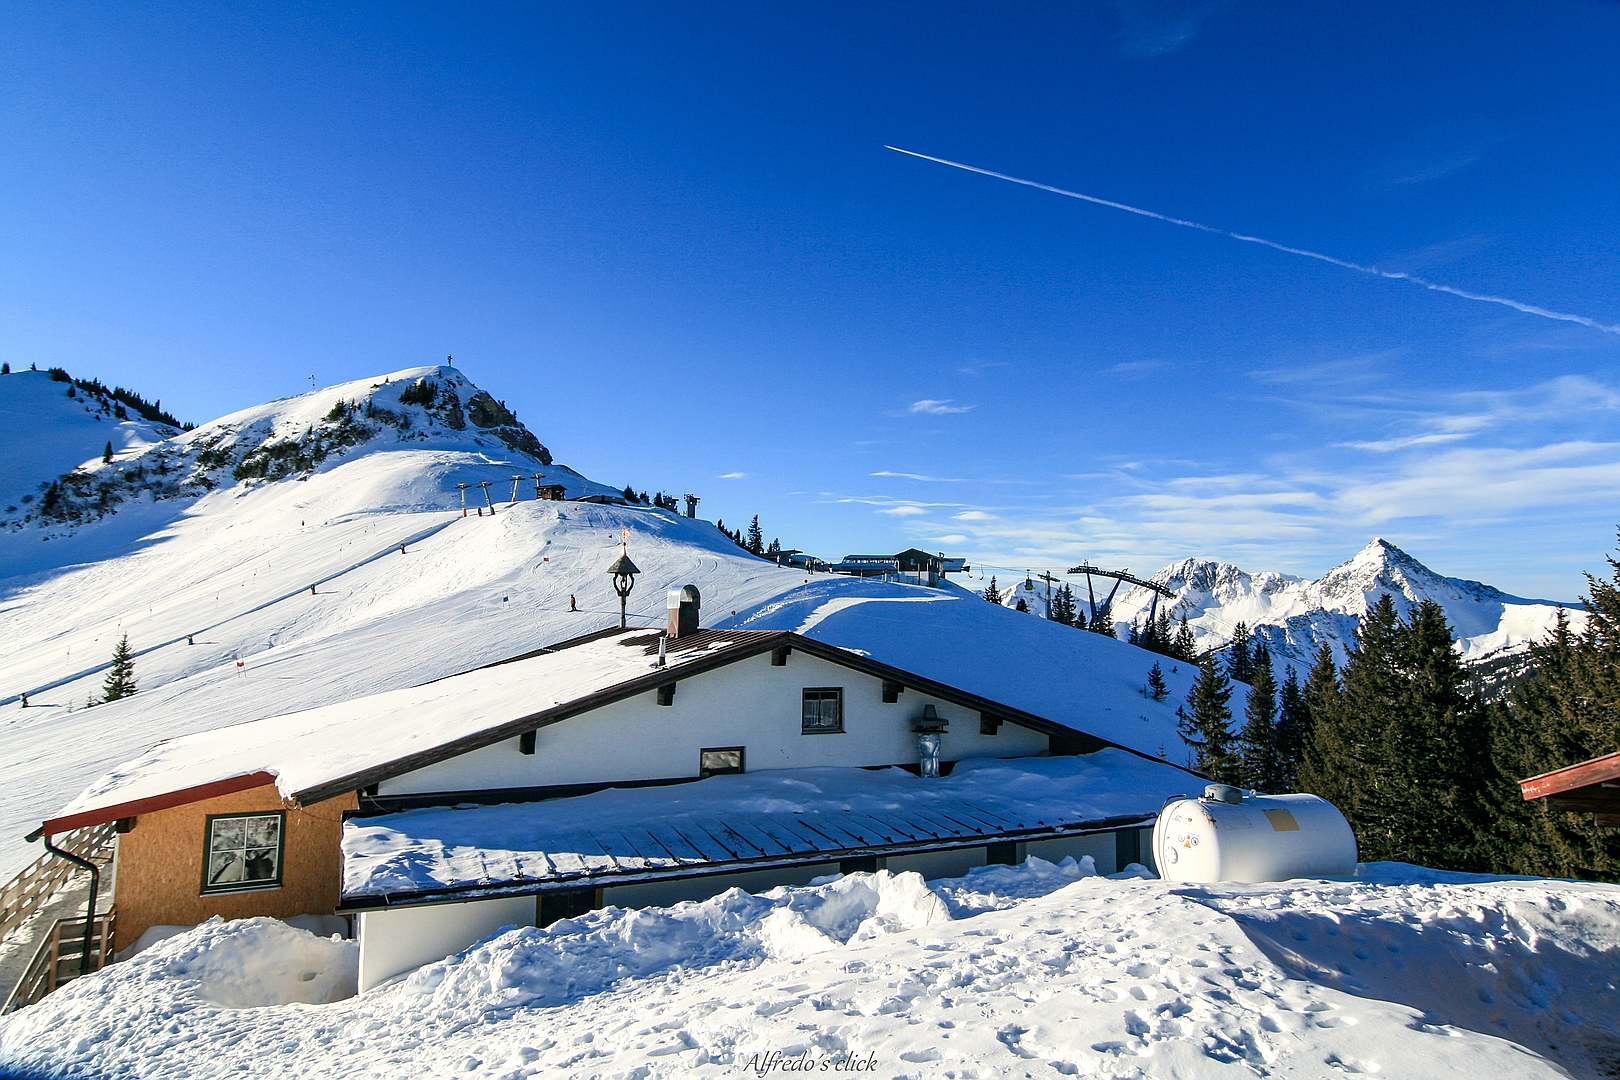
749 703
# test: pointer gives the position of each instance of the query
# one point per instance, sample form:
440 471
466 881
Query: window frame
242 886
742 761
837 696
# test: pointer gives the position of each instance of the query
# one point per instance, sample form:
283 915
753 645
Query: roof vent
683 606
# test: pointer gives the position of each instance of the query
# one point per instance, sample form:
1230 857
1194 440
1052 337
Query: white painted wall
749 703
397 940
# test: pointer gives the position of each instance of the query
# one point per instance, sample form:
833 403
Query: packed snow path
1017 972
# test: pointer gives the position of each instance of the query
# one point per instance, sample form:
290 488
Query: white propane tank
1227 836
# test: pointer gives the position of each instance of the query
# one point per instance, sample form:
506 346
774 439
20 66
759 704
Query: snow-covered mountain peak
1296 616
444 435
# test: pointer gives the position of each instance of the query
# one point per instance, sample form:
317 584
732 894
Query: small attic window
243 852
823 710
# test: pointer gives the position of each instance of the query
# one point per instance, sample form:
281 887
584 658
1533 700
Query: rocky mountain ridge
1295 616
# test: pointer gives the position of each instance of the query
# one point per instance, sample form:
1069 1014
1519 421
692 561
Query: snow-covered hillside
213 590
1296 616
52 427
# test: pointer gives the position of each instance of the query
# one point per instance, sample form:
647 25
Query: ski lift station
912 566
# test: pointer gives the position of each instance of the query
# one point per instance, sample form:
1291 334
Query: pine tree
1103 621
1293 729
991 593
756 539
1063 606
1021 605
106 454
1438 748
1205 724
1157 690
1398 745
1564 713
5 368
121 679
1239 662
1184 646
1262 764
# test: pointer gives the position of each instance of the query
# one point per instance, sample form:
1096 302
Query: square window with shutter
823 710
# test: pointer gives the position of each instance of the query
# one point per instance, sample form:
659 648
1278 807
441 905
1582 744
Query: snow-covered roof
755 819
323 752
314 754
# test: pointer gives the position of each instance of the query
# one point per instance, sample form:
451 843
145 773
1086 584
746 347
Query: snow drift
1042 969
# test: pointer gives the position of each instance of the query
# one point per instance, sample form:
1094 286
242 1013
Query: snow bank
995 888
1534 961
577 957
1045 970
124 1011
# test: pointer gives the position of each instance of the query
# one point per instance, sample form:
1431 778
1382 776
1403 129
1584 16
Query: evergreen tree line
660 500
148 410
1424 769
1064 608
1155 635
753 541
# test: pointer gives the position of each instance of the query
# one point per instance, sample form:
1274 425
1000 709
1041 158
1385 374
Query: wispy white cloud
978 368
1385 446
974 515
1150 28
934 407
920 476
903 510
731 476
1136 367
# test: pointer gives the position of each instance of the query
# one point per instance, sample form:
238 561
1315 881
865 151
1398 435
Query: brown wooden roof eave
1572 778
153 803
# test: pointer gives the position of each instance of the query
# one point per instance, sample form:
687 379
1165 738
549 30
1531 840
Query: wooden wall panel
160 864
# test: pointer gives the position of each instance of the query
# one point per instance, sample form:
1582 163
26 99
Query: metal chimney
683 604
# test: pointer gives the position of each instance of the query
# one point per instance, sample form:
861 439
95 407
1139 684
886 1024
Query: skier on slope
571 605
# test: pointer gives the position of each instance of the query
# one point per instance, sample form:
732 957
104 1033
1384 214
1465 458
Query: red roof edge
153 803
1582 774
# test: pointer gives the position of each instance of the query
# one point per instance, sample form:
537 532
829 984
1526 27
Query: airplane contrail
1393 275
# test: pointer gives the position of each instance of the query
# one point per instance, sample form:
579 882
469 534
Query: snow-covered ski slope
1016 972
232 568
1296 616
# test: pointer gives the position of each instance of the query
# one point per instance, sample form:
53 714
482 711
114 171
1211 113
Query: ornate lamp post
624 574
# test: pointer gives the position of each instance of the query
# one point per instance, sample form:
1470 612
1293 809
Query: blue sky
670 237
